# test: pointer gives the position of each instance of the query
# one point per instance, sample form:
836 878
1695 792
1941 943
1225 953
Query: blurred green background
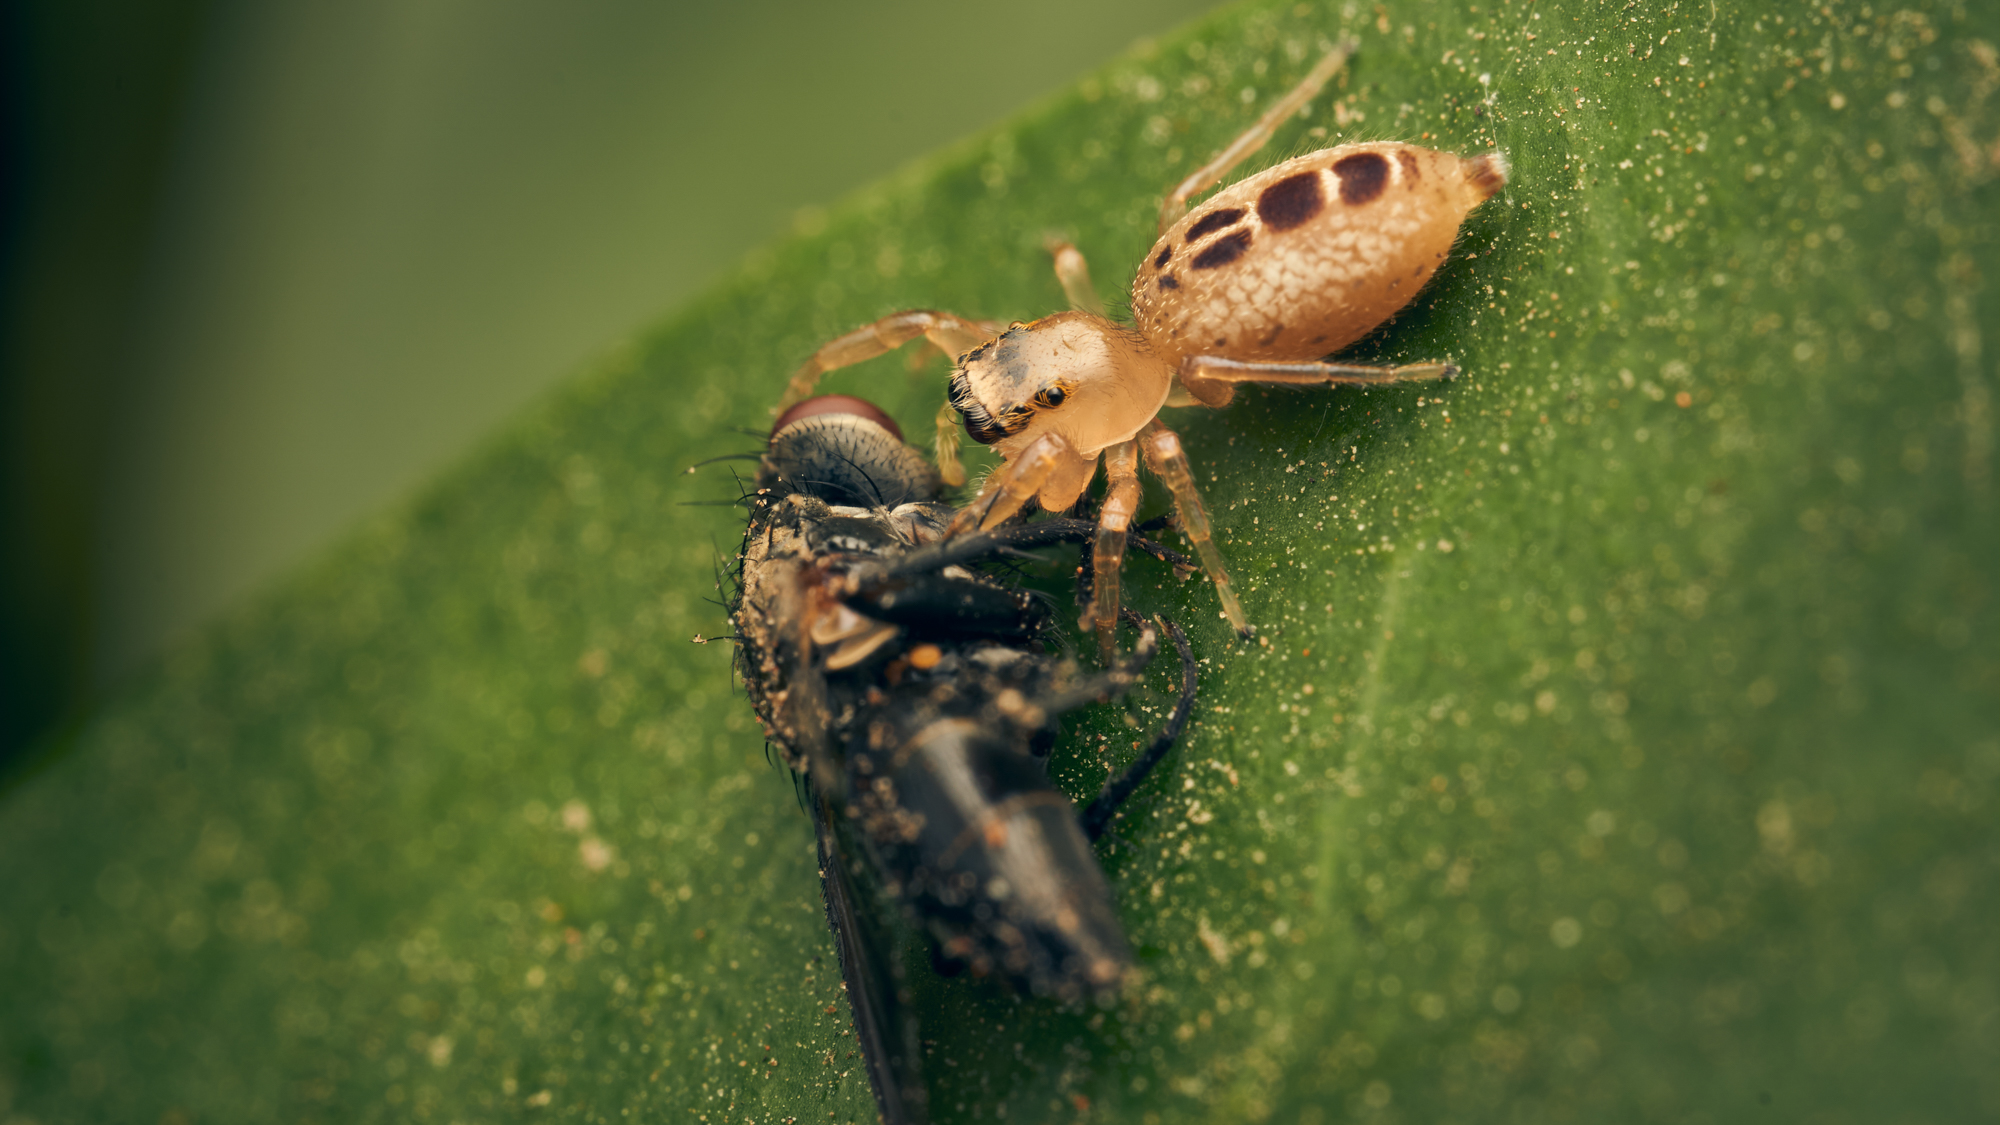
267 266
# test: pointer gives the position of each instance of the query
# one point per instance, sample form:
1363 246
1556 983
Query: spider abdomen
1304 258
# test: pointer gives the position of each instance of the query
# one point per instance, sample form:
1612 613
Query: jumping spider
1255 285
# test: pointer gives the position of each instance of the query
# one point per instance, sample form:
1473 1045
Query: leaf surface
1620 744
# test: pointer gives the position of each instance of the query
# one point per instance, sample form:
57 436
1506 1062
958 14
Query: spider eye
1054 396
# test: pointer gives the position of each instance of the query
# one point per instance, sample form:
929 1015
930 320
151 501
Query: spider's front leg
952 334
1169 462
1121 502
1047 467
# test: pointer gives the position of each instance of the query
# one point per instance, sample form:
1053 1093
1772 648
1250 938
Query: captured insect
1255 285
915 693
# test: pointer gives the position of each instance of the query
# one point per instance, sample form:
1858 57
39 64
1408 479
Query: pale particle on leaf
1216 944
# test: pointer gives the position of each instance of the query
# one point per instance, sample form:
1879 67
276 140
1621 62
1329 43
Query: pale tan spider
1254 286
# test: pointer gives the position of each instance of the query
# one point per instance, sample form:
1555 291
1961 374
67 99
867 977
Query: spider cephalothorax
1072 374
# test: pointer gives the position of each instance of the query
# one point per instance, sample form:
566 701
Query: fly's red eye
839 404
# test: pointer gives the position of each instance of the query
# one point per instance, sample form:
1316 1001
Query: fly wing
871 962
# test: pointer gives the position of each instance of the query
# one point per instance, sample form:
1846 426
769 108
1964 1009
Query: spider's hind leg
1213 379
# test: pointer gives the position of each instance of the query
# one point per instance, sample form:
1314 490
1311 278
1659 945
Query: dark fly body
919 696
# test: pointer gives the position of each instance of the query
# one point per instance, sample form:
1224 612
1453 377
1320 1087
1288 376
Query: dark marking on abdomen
1408 160
1291 201
1362 177
1167 281
1215 221
1166 255
1222 251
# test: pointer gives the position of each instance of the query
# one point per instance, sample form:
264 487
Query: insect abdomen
1304 258
975 834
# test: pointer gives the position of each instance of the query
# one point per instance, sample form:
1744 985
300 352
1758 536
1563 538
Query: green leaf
1621 742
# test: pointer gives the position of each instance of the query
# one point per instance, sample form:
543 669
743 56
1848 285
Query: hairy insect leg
1074 274
1012 485
1121 502
1213 379
1169 462
1112 681
1000 543
1096 816
953 334
1254 137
